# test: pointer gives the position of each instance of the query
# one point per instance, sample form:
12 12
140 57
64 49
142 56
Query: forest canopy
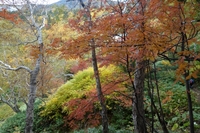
101 66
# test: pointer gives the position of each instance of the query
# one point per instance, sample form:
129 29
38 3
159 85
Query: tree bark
138 99
189 103
31 97
139 77
99 91
186 74
34 73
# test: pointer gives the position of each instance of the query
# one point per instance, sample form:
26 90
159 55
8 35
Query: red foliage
9 16
53 47
56 43
82 64
82 114
34 51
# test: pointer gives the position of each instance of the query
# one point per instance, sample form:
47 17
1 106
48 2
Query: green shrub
13 124
99 130
74 88
81 90
42 124
16 123
82 83
121 116
175 106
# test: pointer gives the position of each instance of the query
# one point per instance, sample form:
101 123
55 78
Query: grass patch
5 112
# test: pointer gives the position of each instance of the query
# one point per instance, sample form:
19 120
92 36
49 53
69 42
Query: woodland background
100 66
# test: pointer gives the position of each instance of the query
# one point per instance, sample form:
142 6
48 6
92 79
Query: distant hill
70 4
73 4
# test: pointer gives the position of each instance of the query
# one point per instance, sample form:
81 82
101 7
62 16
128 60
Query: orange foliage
116 34
169 94
9 16
126 35
34 51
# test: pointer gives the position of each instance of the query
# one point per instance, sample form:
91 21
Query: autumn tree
132 33
184 32
113 35
126 37
9 81
85 18
141 33
91 42
36 36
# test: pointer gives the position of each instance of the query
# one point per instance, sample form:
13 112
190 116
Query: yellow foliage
70 15
61 30
82 82
165 62
96 13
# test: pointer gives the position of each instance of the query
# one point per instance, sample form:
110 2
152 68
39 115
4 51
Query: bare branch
8 67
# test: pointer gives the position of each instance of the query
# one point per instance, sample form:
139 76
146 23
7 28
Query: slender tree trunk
189 103
99 91
162 118
138 99
96 71
184 43
31 97
34 73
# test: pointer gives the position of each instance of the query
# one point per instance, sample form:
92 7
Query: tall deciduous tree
184 29
127 37
37 31
84 24
10 82
92 44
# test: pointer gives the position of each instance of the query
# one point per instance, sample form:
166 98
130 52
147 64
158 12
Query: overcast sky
47 1
33 1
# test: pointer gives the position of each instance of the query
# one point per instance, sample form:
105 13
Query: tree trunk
96 71
138 99
139 77
189 104
184 45
31 97
161 116
99 91
184 40
34 73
